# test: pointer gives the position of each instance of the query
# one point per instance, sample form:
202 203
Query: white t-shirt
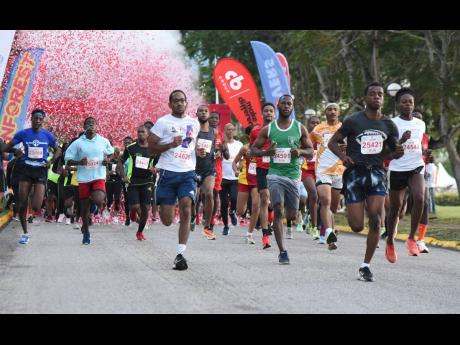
233 150
183 157
431 171
412 157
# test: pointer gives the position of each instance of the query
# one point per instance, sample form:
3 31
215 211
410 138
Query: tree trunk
322 84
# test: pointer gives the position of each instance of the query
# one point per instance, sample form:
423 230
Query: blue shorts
175 185
359 182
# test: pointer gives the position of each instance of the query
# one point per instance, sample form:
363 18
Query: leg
264 195
324 193
241 202
417 187
254 210
110 188
185 206
23 201
224 196
310 186
396 203
278 225
207 192
374 206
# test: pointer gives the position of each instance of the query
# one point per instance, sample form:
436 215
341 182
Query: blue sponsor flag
272 76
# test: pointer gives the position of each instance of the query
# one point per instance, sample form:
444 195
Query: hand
125 179
348 162
343 147
105 161
429 155
245 149
218 155
83 161
237 173
271 150
177 141
201 152
405 136
399 151
295 153
65 172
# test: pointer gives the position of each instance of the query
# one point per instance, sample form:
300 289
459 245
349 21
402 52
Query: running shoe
390 253
86 238
30 219
180 263
366 274
314 233
332 246
225 231
233 218
49 219
140 236
412 247
331 237
283 258
250 239
289 234
322 240
422 247
24 239
265 242
61 218
68 221
209 233
299 227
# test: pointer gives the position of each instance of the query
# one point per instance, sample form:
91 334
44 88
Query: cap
332 104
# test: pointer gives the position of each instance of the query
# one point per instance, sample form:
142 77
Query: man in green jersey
139 177
289 140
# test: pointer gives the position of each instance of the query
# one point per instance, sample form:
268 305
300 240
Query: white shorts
335 181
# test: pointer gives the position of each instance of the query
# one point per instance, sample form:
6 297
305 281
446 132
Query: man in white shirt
174 138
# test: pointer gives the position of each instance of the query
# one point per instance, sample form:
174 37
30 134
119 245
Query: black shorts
201 176
400 179
51 188
141 194
34 175
69 191
261 179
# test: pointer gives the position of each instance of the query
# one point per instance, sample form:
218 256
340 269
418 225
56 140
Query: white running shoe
106 214
289 234
422 247
322 240
61 218
67 221
250 239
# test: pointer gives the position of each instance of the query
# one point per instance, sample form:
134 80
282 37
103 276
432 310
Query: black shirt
367 138
140 163
208 139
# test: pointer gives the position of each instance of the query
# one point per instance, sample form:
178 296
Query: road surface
55 273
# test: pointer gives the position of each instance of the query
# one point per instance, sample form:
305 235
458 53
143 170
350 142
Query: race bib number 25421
371 144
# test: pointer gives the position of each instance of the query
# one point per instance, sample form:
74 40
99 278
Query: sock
326 231
422 228
382 230
140 228
364 265
181 248
265 232
322 231
248 233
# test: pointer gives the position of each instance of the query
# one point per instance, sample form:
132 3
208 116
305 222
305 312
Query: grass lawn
446 225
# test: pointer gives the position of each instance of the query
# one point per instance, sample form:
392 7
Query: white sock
328 230
364 265
181 248
248 234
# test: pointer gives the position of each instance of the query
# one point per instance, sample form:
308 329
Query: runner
113 184
139 178
126 142
247 186
407 171
309 181
91 154
289 140
329 170
364 181
174 137
263 164
33 165
229 180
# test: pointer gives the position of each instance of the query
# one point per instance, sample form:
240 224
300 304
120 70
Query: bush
447 199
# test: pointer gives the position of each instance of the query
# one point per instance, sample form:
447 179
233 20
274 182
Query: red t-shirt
263 163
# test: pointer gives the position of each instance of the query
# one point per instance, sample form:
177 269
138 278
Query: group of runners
288 172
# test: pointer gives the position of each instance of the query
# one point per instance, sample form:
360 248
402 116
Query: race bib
142 162
412 145
93 163
114 167
35 152
204 144
326 138
252 168
282 156
182 155
265 159
371 144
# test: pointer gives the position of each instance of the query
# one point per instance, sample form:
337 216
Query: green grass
446 225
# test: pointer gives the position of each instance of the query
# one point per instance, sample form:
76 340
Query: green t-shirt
282 164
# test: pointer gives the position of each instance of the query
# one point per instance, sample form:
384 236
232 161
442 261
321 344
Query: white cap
332 104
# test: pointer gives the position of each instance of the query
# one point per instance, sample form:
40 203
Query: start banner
238 90
13 112
6 42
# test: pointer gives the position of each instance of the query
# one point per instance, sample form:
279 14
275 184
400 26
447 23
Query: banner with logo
273 78
13 112
238 90
6 41
285 66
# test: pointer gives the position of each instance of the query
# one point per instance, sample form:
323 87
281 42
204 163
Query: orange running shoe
390 253
140 236
412 247
209 233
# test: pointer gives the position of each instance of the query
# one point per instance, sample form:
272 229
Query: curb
5 219
403 237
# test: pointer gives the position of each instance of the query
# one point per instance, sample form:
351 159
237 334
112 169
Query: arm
156 148
121 160
334 146
238 157
256 148
306 144
71 156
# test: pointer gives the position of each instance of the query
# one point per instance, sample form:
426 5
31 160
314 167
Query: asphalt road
55 273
